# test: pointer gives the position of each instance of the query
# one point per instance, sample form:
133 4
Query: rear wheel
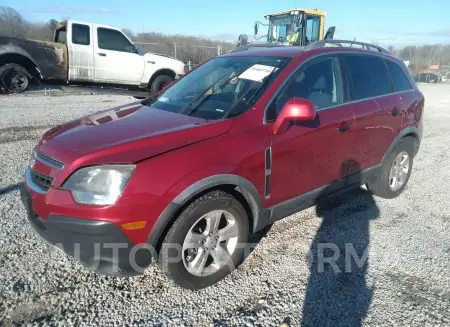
206 241
159 82
395 171
14 78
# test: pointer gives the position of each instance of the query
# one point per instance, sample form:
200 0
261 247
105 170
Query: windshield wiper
198 100
151 99
190 108
263 84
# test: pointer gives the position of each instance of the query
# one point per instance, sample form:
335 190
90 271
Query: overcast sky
394 22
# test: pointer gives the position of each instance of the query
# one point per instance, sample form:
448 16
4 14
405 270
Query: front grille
43 181
49 161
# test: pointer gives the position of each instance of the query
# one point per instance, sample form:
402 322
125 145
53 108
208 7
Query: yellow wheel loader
296 27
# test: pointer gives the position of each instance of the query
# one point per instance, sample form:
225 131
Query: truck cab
104 54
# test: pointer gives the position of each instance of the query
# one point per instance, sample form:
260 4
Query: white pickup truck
84 54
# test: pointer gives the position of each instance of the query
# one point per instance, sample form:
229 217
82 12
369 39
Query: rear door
376 107
409 99
311 154
116 58
80 48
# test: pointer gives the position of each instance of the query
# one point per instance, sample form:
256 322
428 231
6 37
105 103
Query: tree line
423 56
196 49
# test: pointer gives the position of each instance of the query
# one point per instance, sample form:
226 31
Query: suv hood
126 134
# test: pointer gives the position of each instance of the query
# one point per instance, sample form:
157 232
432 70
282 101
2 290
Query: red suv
242 141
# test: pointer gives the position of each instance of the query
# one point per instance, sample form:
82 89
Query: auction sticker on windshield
257 72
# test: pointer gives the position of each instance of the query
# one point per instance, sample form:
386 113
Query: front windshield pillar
270 33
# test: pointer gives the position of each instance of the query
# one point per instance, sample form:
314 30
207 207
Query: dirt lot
406 281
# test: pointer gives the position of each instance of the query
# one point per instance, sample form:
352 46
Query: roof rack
254 46
339 43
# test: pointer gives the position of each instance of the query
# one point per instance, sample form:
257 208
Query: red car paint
174 151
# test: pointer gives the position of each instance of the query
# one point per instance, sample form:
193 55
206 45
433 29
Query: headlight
33 157
101 185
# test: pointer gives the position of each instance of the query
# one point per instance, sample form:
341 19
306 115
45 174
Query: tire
159 82
382 185
14 78
176 267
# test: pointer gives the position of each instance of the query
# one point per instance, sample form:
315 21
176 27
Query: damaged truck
84 54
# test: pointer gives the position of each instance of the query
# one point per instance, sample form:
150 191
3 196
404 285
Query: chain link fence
193 54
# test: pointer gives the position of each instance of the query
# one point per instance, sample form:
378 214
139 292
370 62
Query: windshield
222 87
281 26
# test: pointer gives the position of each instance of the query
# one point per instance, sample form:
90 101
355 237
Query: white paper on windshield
257 72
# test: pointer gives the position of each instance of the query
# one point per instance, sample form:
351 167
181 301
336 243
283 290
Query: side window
399 78
320 82
80 34
113 40
61 35
312 28
369 76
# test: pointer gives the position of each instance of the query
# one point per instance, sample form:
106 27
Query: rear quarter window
368 75
399 79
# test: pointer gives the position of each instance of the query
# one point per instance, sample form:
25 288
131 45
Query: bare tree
11 22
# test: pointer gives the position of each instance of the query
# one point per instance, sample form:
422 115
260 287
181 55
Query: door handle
101 54
344 127
395 112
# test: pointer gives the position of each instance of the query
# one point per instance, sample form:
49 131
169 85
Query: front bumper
99 245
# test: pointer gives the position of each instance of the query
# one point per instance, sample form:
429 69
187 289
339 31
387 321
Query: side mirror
256 27
294 110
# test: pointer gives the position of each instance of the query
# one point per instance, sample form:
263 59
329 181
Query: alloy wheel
399 171
210 243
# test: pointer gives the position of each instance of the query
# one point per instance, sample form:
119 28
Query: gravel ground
405 281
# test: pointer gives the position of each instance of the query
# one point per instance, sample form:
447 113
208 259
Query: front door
116 59
313 154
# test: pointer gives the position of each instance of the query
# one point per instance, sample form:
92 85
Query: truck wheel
14 78
395 171
159 82
206 242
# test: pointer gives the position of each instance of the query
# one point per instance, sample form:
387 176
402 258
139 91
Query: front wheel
206 242
14 78
159 82
395 171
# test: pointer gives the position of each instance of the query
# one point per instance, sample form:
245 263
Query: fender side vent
268 171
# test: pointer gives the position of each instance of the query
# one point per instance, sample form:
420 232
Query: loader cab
294 27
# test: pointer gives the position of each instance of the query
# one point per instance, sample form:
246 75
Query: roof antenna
352 42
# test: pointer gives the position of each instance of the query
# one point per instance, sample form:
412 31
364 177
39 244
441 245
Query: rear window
398 76
369 76
80 34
